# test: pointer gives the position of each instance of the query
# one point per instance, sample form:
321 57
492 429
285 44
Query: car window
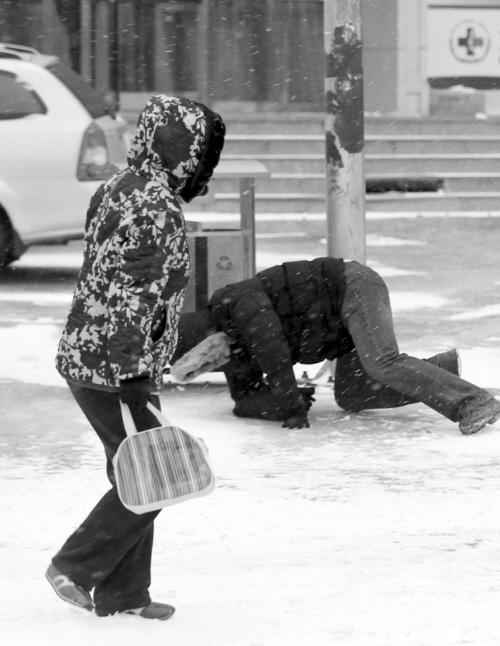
17 100
93 100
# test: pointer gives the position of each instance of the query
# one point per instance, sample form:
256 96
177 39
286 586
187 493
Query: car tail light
93 163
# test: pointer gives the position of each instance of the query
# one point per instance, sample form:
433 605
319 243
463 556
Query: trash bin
223 256
218 257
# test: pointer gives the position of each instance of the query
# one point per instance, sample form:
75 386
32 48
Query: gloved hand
307 393
297 416
296 420
135 392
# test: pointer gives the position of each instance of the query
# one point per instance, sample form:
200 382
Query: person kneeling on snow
306 312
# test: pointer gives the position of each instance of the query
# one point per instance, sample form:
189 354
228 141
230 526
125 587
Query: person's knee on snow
259 403
379 366
351 398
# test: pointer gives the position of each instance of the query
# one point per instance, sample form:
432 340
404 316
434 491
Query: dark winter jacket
124 315
287 314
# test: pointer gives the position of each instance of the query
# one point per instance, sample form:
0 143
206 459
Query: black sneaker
154 610
476 418
68 590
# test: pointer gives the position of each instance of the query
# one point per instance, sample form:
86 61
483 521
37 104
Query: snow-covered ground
380 529
377 529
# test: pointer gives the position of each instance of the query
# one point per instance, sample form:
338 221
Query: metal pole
204 53
114 59
85 40
247 224
344 130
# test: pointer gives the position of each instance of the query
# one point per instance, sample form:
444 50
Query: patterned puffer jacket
130 290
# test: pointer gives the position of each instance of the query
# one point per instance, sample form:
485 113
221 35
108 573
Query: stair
410 165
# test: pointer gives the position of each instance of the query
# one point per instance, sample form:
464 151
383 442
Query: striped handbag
159 467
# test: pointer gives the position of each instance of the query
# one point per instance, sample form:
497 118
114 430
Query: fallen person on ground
307 312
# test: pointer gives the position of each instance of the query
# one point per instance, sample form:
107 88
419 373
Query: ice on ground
71 259
477 313
265 260
481 366
376 240
408 301
37 297
386 271
28 353
378 529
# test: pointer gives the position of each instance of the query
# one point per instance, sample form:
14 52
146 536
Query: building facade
265 54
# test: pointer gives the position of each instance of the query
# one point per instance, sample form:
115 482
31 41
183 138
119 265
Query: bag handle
128 420
131 429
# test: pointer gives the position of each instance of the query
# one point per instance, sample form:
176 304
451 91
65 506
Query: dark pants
355 390
111 550
367 315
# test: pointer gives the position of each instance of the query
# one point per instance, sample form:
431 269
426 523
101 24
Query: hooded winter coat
130 290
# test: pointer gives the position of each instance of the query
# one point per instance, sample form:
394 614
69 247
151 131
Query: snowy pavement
377 529
380 528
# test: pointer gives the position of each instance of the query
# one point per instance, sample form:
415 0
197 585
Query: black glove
297 416
135 392
307 393
297 420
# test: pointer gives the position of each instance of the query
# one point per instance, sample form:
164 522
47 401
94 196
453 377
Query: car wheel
6 240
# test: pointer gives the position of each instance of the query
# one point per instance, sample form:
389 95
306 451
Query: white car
59 139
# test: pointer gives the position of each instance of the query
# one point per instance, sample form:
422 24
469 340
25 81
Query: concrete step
461 156
315 182
467 182
265 203
392 125
374 164
392 201
303 225
281 225
449 182
432 163
274 123
432 144
264 144
276 183
313 122
259 144
284 163
459 201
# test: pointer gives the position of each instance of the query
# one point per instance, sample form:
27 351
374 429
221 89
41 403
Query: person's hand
296 420
307 393
135 392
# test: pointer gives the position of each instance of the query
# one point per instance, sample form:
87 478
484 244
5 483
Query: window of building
158 46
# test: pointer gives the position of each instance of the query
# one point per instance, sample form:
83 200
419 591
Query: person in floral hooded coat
122 330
